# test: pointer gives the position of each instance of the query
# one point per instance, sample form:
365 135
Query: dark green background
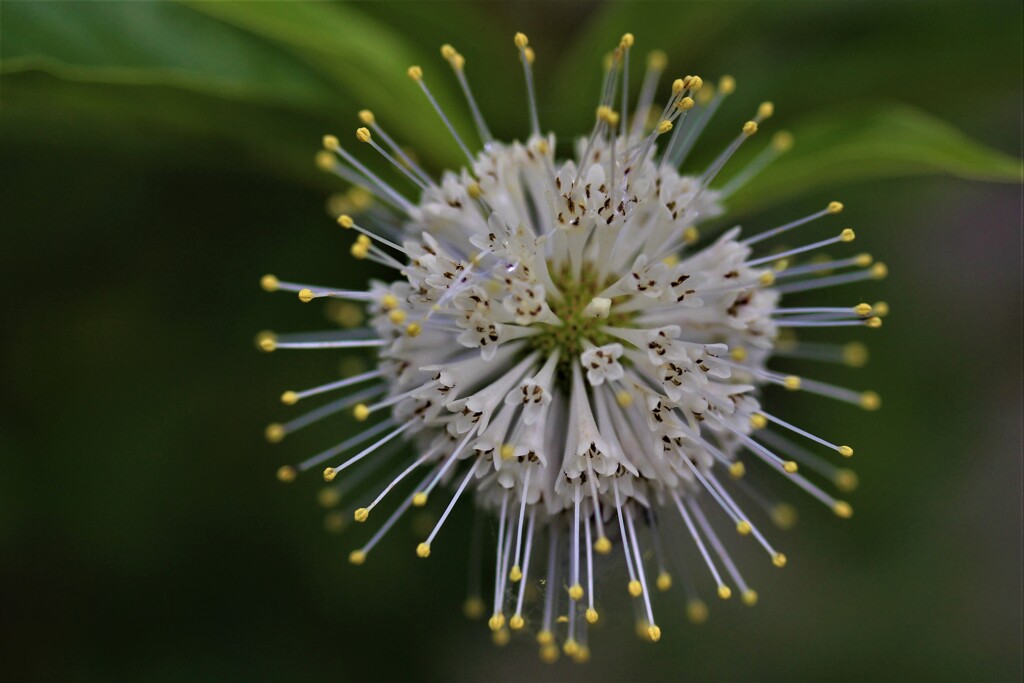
157 160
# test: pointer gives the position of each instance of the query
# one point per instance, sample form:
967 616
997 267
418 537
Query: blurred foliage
157 158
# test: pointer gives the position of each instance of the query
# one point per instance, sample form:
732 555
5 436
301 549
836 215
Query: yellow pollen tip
367 117
737 469
696 83
685 104
269 283
413 329
873 322
664 581
654 633
496 621
508 451
727 85
274 432
361 515
447 51
458 62
790 467
289 398
516 622
329 474
516 574
697 611
388 302
835 207
415 73
863 260
881 309
324 160
359 251
791 382
305 295
847 235
765 110
691 235
767 278
664 127
520 40
529 54
845 451
549 654
328 497
501 637
627 40
678 86
879 271
267 341
334 522
862 310
575 592
345 221
570 647
592 615
363 134
749 597
419 499
758 421
330 142
657 60
779 560
743 527
749 128
855 354
782 141
363 241
603 546
624 399
542 145
842 509
286 474
635 589
361 412
846 480
357 557
473 608
423 550
784 515
724 592
545 638
869 400
474 190
397 316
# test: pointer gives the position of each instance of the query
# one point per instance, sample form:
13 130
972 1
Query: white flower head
560 340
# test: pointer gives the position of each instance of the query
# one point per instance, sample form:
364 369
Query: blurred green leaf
836 149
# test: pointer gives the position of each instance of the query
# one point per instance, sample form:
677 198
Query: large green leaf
834 150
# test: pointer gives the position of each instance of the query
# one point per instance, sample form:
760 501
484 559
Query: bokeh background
157 159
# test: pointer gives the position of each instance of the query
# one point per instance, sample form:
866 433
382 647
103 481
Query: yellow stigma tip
269 283
627 40
496 621
881 309
779 560
447 51
423 550
419 499
330 142
782 141
474 190
324 160
516 574
654 633
835 207
413 329
635 589
363 134
592 615
657 60
749 128
847 235
274 432
869 400
289 398
305 295
624 399
727 85
328 497
879 271
545 638
357 557
397 316
862 309
549 654
664 581
678 86
516 622
737 469
855 354
784 516
790 467
520 40
361 412
361 515
758 421
603 546
842 509
508 451
359 251
845 451
529 54
367 117
738 353
767 278
696 83
765 110
388 301
345 221
501 637
749 598
696 611
685 104
286 474
724 592
691 235
329 474
791 382
874 322
415 73
473 608
267 341
846 480
575 592
664 127
743 527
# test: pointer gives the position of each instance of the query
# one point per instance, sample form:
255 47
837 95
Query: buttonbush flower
561 344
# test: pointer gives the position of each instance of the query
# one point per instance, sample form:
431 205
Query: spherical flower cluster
558 341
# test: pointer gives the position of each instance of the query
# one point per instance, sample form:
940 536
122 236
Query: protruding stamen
416 74
833 207
526 56
458 63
